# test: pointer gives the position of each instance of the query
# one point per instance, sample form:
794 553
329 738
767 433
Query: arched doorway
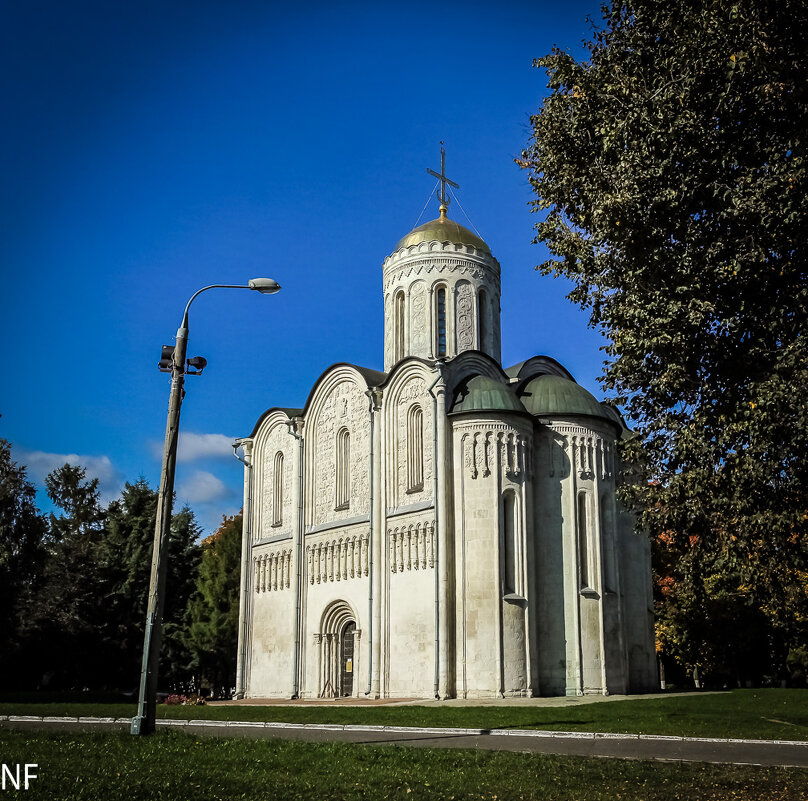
347 659
338 643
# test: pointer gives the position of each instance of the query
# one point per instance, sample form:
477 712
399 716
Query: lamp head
266 286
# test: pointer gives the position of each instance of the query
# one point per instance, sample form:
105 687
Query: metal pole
143 722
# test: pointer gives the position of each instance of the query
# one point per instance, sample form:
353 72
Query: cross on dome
441 176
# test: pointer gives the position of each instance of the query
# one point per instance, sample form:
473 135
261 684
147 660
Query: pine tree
212 621
22 556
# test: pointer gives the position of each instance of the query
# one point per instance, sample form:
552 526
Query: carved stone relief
419 335
388 332
464 305
594 453
415 391
497 446
278 440
273 571
346 406
411 547
337 559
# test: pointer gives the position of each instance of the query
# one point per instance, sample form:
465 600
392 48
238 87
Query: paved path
539 701
623 746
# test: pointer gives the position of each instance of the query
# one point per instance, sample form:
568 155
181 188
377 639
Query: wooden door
347 667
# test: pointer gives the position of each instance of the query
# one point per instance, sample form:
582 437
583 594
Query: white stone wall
340 402
409 388
493 654
409 609
581 594
272 589
337 571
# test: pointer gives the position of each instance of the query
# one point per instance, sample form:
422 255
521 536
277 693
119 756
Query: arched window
415 449
511 584
584 565
342 495
440 317
398 329
482 318
277 490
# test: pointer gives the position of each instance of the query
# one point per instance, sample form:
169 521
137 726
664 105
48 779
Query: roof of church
442 230
554 395
484 394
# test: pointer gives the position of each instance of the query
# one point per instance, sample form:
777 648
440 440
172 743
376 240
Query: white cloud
201 487
40 463
198 446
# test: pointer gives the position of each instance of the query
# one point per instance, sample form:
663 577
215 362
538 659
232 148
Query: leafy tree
671 165
22 551
212 633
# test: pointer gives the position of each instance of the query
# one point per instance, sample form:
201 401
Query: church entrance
338 657
347 652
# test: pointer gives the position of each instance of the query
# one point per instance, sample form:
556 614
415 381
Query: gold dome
442 230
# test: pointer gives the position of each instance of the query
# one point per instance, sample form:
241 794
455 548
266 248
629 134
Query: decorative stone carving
464 310
495 444
337 559
414 392
346 406
411 547
273 571
419 330
277 440
446 268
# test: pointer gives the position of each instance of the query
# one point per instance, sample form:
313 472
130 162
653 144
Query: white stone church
445 528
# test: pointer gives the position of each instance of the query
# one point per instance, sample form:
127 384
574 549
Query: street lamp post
143 722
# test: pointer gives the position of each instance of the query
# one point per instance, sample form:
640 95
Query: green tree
671 165
78 497
22 554
212 620
61 620
126 554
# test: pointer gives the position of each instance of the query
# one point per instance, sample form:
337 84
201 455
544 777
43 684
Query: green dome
442 230
554 395
483 394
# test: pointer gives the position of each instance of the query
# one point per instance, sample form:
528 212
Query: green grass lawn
173 766
758 714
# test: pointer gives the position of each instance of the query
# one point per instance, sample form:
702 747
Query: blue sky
152 148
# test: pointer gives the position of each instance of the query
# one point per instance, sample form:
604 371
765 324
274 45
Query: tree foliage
79 603
671 166
214 609
125 556
22 551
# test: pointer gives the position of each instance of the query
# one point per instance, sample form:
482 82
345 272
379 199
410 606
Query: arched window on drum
482 319
440 320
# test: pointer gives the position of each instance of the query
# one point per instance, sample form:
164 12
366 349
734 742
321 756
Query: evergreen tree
126 557
22 556
62 618
672 167
212 620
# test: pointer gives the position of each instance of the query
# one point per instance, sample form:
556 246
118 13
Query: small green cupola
554 396
484 394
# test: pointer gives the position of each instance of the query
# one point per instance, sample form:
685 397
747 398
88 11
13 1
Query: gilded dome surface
554 395
442 230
